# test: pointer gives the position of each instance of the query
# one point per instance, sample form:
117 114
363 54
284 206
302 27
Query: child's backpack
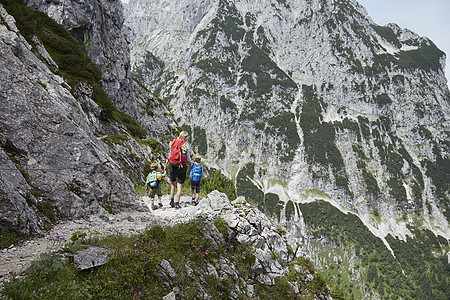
152 179
178 152
196 172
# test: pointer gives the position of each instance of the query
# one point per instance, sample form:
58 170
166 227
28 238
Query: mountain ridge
227 225
341 104
301 101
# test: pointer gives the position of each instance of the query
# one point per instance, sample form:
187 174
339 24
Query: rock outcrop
97 24
53 164
249 226
273 248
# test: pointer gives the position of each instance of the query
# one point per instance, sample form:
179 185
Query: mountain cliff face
296 97
66 150
97 24
300 101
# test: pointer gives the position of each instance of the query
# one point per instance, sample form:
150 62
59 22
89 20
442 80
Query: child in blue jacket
195 175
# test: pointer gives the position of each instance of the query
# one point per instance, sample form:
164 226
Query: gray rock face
167 271
16 199
57 161
310 93
50 152
153 114
98 25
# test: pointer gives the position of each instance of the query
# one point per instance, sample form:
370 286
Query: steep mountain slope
311 100
66 151
309 93
297 100
97 25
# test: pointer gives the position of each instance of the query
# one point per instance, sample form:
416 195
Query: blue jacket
196 171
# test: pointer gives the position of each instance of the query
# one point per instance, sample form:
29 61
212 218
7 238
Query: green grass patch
313 193
273 182
7 239
116 139
47 209
376 215
152 143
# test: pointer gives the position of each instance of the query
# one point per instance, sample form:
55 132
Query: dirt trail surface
17 258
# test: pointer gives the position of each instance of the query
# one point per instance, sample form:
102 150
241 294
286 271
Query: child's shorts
195 185
155 191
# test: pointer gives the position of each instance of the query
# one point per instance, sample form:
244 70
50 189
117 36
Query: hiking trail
17 258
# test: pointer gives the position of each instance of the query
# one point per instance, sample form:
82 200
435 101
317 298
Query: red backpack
178 152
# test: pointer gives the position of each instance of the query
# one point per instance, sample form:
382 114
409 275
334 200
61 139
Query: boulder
90 258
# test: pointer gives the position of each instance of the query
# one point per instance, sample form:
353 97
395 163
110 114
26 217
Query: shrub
47 278
383 99
319 140
200 142
426 57
388 34
290 210
221 225
153 144
116 139
46 208
217 181
283 125
272 205
397 190
246 188
7 239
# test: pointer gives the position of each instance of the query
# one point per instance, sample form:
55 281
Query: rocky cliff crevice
97 25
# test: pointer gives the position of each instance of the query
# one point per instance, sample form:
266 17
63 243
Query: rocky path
17 258
250 225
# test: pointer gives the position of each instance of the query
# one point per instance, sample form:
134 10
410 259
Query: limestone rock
90 258
49 147
98 23
167 270
170 296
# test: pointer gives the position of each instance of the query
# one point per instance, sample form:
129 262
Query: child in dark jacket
195 175
153 183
